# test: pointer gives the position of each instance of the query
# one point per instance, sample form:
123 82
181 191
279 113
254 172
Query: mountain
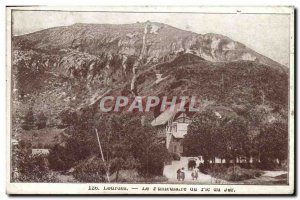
71 67
161 41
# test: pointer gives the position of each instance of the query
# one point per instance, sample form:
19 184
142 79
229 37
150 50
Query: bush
233 173
191 164
152 164
68 117
30 168
64 157
132 176
174 156
91 170
28 121
153 179
57 159
41 121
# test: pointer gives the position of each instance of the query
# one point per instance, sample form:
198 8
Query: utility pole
107 175
222 80
262 97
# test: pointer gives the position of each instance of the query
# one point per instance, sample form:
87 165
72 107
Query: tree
121 159
41 120
200 137
57 158
68 118
211 136
145 146
128 135
28 122
91 170
273 144
125 142
234 132
77 147
30 168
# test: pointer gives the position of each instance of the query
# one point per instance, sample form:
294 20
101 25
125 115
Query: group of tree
27 167
125 142
32 122
231 137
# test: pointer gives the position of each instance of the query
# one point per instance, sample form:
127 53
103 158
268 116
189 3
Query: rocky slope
71 67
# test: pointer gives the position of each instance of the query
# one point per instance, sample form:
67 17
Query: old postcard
150 100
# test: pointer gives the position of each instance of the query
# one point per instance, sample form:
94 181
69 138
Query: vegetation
234 173
28 121
71 75
230 137
125 142
30 168
273 144
174 156
41 121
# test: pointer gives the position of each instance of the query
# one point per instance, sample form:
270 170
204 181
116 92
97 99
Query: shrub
91 170
57 158
41 121
64 157
233 173
152 164
152 179
191 164
30 168
174 156
28 121
68 117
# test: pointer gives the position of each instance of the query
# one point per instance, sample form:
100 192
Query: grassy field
234 173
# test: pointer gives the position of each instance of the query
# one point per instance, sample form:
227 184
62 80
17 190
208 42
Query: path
274 173
269 177
62 178
170 173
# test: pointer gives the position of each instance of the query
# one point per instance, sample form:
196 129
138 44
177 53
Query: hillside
68 68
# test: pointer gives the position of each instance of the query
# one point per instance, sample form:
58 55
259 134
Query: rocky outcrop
155 41
69 67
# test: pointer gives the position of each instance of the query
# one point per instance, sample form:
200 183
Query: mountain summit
71 67
156 41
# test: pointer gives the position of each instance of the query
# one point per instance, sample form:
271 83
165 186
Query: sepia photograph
150 100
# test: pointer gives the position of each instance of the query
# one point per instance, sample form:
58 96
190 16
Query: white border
79 188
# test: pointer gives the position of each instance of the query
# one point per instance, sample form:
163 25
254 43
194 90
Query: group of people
181 174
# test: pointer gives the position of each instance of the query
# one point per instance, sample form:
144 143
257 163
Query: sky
267 34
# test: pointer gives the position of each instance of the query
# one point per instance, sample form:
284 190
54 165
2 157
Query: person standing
195 172
193 175
182 174
178 174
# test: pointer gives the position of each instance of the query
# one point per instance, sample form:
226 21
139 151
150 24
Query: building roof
40 151
166 116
